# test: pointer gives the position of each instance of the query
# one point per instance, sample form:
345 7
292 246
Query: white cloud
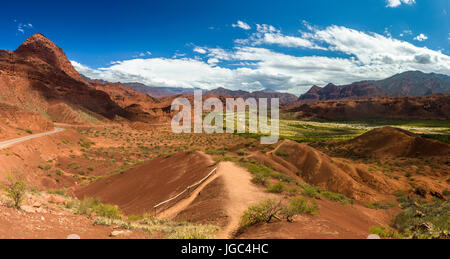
362 56
242 25
200 50
23 27
396 3
267 34
421 37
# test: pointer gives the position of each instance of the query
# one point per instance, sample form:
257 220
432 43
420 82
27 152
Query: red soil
15 121
394 142
138 190
336 175
335 221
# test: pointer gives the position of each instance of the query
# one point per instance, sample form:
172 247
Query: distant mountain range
411 83
160 92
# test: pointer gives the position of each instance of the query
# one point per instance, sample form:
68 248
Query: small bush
135 217
292 191
336 197
16 190
260 179
283 155
45 167
263 212
381 205
62 192
194 232
298 206
241 152
385 232
311 191
89 206
276 188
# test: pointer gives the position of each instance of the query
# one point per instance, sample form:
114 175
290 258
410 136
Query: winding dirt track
8 143
240 193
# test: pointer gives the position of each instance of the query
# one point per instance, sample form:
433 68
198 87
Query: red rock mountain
39 78
41 48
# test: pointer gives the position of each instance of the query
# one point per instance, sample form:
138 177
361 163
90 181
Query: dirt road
8 143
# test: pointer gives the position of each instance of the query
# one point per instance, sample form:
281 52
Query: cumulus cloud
200 50
357 55
267 34
421 37
242 25
396 3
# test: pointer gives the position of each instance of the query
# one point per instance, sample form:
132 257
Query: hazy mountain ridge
411 83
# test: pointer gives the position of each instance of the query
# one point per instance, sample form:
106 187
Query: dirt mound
335 221
394 142
208 207
138 190
336 175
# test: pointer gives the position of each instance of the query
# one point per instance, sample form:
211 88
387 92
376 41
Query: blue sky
279 45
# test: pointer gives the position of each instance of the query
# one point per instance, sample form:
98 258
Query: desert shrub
69 204
61 192
89 206
292 191
262 212
283 155
135 217
16 191
385 232
45 167
336 197
73 166
423 219
311 191
260 179
171 229
216 152
241 152
194 232
276 188
381 205
84 143
256 168
298 206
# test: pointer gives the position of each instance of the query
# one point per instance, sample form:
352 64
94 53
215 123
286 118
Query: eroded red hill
427 107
